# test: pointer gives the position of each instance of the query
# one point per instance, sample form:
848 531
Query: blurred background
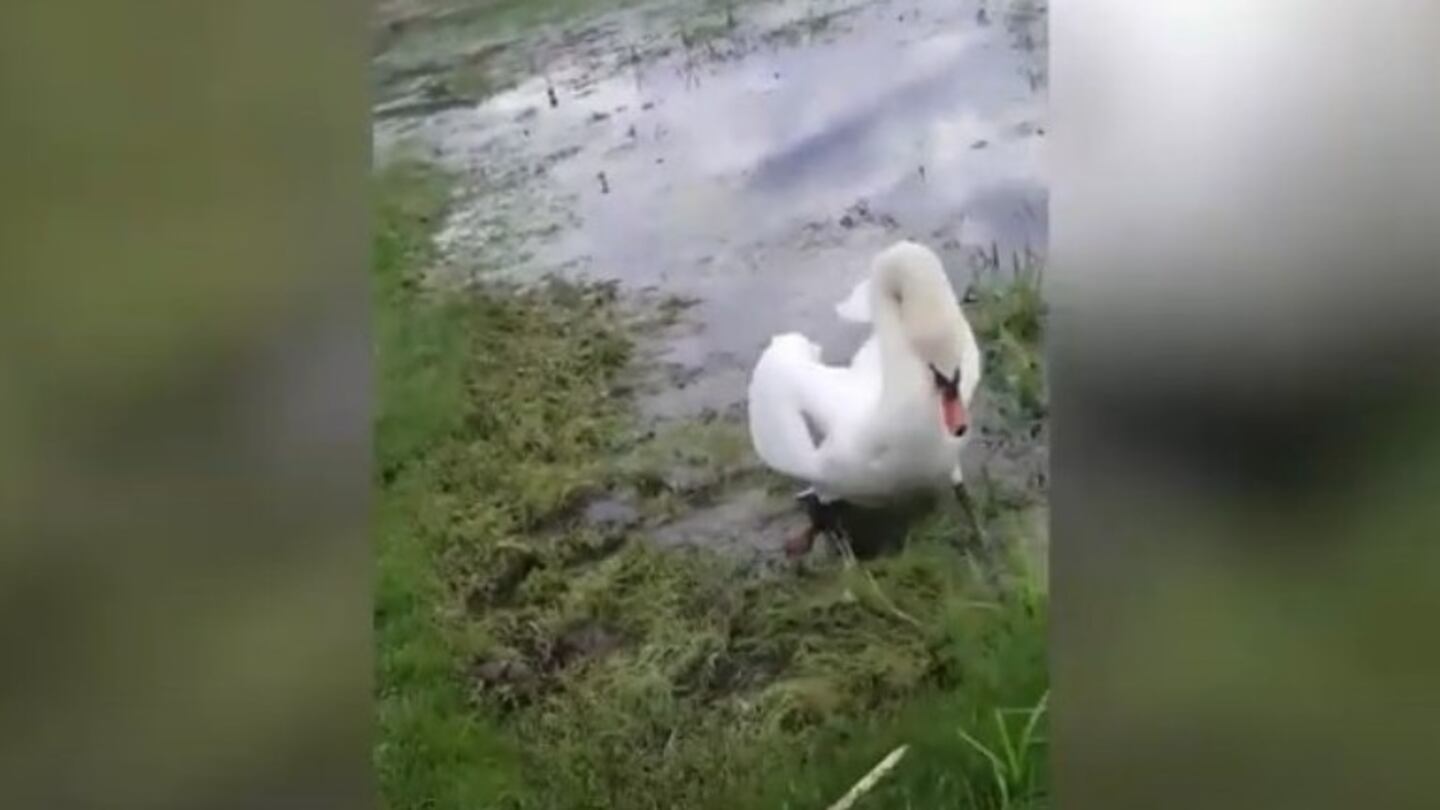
185 393
1246 426
1243 382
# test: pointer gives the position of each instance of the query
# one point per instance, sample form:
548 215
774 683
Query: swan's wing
796 402
856 306
866 361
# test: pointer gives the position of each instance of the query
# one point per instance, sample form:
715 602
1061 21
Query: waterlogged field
580 598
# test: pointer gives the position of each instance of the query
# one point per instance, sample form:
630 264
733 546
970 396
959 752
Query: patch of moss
526 661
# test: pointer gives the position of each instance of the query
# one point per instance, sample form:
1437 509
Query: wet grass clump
1007 311
527 660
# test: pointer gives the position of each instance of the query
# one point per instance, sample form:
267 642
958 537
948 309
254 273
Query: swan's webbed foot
800 545
823 520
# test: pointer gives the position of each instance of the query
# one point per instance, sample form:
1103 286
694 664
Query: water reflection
760 171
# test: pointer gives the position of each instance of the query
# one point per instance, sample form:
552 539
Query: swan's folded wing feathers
856 306
866 361
795 402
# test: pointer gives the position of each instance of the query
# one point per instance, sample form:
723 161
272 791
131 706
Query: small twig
871 779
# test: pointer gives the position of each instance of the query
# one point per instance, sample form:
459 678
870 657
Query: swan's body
893 421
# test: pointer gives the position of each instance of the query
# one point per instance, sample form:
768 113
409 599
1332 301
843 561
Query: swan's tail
777 419
856 306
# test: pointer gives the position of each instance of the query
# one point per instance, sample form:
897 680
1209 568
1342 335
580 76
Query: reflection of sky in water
728 180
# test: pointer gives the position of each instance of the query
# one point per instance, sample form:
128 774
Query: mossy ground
527 659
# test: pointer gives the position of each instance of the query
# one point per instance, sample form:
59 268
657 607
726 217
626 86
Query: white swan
895 420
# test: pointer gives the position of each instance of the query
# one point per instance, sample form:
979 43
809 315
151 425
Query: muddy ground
735 165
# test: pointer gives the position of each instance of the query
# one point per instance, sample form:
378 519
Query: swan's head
912 276
941 356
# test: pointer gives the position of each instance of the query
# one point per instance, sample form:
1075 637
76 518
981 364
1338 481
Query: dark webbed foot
800 544
824 519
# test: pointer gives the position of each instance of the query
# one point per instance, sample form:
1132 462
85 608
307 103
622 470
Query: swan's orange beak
953 411
952 408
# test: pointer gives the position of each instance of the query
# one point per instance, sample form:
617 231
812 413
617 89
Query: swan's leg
826 519
840 542
967 505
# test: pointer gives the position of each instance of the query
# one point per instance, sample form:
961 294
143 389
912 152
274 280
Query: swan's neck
901 377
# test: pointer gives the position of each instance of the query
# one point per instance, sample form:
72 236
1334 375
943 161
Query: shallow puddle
755 166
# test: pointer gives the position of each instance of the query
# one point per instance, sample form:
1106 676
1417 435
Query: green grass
431 744
527 661
1008 314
